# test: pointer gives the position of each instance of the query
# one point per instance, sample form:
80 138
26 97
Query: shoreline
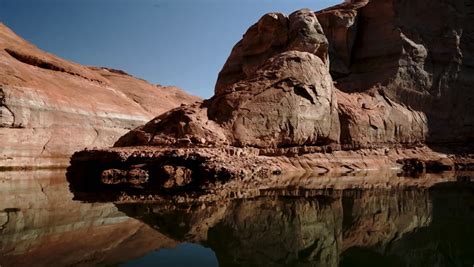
177 173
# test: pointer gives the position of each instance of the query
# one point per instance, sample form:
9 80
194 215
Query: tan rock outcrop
273 34
275 90
373 120
289 102
50 107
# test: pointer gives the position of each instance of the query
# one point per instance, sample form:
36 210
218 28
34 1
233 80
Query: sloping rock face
290 103
374 120
50 107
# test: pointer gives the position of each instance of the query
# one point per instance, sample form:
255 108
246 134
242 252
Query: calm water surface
40 225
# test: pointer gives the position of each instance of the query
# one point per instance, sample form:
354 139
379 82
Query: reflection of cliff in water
352 227
40 225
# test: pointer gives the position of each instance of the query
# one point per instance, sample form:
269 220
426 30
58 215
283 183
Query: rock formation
50 107
361 85
282 95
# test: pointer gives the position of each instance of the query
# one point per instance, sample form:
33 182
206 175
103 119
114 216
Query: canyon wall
50 107
419 53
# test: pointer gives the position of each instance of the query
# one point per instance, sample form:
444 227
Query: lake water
40 225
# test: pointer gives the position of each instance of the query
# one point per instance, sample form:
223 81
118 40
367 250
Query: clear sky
169 42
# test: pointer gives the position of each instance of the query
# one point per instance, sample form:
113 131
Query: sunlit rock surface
396 81
51 107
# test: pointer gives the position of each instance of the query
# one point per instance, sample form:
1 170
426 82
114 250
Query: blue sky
170 42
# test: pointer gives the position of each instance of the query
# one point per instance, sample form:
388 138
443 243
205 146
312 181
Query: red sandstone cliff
50 107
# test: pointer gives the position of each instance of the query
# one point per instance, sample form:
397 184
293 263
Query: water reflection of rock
407 226
40 225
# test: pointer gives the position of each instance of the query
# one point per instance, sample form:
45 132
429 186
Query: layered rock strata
50 107
351 87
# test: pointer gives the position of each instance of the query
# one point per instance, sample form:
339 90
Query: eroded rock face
290 103
374 120
50 107
340 24
274 33
276 89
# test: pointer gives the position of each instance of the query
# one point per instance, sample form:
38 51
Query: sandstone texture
50 107
420 53
361 85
